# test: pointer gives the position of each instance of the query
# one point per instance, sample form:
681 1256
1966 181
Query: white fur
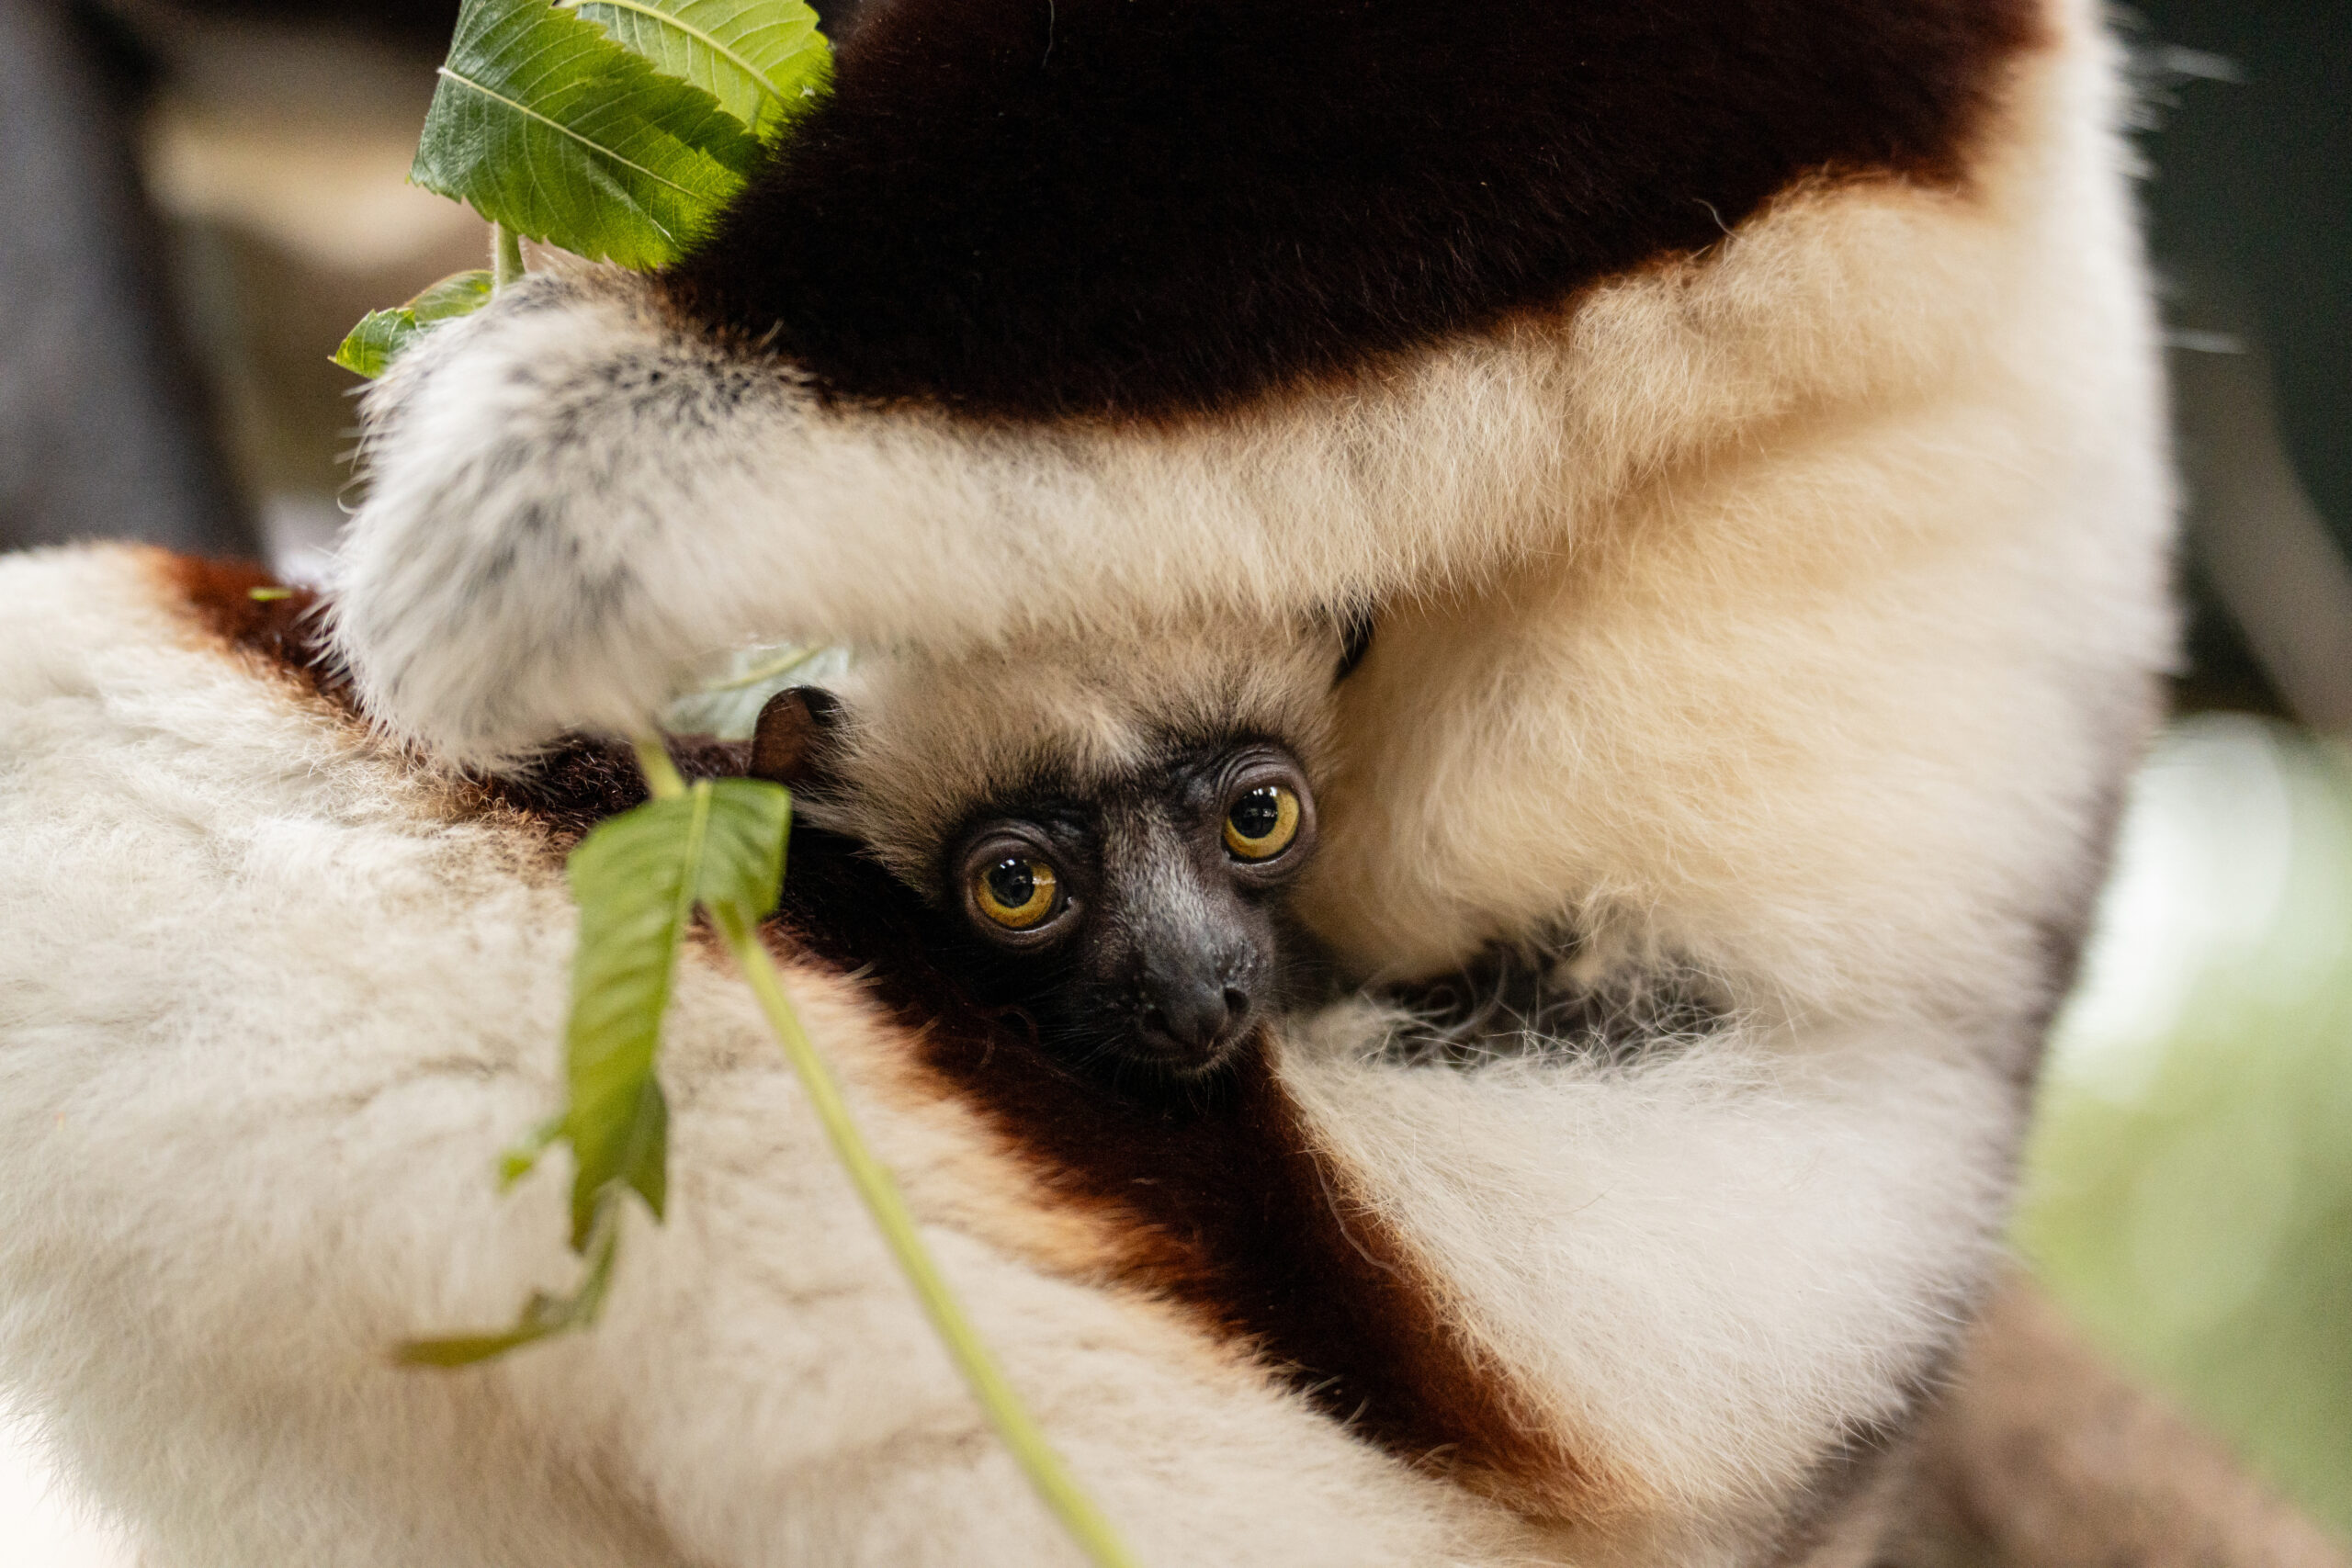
274 999
572 502
269 1010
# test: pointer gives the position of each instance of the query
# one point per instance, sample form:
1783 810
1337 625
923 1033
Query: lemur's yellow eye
1016 892
1262 822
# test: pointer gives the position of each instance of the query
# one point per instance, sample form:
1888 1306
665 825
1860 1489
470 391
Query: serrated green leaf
637 879
370 348
633 879
547 126
763 60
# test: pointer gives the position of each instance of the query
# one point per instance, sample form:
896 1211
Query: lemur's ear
788 744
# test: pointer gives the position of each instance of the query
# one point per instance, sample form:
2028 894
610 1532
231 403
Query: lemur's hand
538 538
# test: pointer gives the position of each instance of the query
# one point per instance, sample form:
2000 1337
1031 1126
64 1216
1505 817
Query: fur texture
1580 1309
1772 622
250 1092
273 1002
1041 209
1864 507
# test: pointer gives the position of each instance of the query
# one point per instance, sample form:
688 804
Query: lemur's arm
570 500
1056 321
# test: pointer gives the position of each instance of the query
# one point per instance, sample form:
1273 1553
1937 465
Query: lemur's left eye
1017 892
1262 824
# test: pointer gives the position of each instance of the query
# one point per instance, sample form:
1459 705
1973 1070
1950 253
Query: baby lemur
1108 864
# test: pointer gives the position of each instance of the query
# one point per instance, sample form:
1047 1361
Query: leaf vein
557 125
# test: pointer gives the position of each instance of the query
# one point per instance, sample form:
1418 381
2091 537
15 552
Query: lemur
1139 916
1114 861
1742 423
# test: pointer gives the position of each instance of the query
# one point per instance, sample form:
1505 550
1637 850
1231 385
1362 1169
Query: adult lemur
1739 420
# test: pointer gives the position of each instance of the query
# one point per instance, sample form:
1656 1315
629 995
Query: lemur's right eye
1017 891
1262 823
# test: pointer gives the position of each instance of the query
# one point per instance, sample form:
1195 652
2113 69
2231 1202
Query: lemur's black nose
1194 1011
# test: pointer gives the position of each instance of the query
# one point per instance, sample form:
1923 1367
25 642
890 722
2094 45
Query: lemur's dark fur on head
1038 208
1135 925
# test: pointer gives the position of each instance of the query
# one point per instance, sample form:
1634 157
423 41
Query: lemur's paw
543 517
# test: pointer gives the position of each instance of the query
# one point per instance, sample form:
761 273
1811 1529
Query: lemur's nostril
1190 1011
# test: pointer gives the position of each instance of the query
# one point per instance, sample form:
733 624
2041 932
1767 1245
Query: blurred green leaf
742 859
763 60
634 879
459 294
543 1316
637 879
370 348
545 124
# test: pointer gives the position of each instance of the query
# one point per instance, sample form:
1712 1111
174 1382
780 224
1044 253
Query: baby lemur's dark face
1140 922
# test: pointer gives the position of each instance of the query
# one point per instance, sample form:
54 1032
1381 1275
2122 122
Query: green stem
505 256
1055 1486
661 773
1086 1523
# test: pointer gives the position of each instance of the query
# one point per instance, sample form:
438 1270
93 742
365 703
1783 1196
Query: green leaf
637 879
633 878
370 348
742 859
547 126
728 703
367 349
459 294
763 60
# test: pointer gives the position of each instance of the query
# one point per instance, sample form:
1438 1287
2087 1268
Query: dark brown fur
1042 207
282 628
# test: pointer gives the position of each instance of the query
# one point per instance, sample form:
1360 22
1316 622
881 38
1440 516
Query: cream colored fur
274 1001
269 1007
1868 498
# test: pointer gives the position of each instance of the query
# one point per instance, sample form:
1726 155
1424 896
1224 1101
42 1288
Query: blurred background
203 197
